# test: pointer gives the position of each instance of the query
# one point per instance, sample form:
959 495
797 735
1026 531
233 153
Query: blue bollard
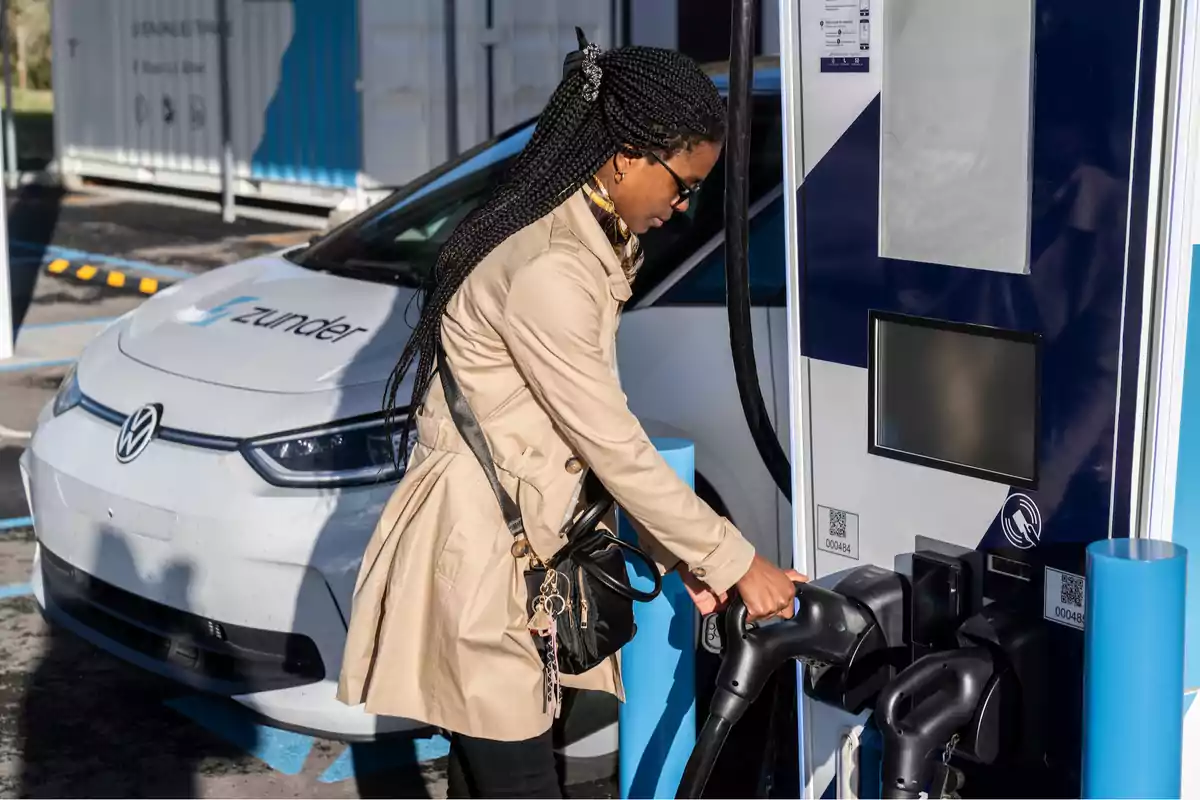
657 721
1133 669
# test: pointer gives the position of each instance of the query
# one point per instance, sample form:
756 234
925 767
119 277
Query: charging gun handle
751 656
825 627
955 681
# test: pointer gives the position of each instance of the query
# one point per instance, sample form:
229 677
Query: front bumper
211 655
185 563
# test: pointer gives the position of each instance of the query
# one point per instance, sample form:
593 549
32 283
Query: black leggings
487 768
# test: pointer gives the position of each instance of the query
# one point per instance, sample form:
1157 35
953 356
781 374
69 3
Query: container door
403 89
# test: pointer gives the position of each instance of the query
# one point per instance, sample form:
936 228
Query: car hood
270 325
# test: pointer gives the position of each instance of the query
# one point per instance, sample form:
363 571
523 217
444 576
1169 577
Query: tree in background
28 31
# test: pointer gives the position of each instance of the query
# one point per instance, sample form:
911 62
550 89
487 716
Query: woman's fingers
705 599
782 605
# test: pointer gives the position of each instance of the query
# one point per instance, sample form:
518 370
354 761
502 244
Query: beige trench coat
438 631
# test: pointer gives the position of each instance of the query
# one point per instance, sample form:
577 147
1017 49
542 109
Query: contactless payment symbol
1021 521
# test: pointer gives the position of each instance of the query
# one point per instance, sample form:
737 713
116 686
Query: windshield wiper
398 272
395 266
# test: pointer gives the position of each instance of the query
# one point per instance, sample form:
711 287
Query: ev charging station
7 334
992 220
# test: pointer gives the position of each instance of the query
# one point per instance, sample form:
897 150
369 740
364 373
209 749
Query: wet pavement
75 721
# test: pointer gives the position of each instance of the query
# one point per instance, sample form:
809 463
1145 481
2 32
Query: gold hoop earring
620 176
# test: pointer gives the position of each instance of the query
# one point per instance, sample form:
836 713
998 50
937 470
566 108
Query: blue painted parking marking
83 255
281 750
15 590
362 759
12 523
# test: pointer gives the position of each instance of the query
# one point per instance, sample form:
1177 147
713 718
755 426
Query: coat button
574 465
699 572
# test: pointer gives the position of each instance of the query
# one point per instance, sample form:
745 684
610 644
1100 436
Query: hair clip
593 72
585 58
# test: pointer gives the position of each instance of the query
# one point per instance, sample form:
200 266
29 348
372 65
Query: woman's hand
706 600
772 588
768 591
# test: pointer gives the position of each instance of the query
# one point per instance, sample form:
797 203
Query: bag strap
468 427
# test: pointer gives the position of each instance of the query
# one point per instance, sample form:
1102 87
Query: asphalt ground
74 721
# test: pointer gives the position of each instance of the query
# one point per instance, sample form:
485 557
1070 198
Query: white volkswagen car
206 479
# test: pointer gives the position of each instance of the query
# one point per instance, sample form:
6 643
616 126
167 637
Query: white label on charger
1064 598
837 532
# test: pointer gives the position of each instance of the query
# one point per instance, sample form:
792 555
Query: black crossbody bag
584 585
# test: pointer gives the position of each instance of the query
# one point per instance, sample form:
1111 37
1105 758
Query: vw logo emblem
137 431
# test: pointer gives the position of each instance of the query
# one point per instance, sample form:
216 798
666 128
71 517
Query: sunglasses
685 191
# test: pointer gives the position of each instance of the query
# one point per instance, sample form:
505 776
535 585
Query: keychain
544 622
947 780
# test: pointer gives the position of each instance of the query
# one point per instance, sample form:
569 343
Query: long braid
649 100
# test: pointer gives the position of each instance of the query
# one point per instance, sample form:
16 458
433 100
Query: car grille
232 658
190 438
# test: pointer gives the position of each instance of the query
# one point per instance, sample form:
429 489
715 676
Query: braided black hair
648 100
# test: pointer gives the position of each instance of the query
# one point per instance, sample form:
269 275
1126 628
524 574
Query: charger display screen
955 397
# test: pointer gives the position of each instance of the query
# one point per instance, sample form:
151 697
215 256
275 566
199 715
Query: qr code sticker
837 532
1072 591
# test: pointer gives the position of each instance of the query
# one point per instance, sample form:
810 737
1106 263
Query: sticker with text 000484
1064 599
837 532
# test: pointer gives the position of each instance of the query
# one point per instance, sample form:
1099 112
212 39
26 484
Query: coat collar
578 217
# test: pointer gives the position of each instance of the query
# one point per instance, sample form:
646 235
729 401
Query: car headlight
348 453
68 395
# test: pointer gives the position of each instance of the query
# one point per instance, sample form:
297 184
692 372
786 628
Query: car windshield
398 240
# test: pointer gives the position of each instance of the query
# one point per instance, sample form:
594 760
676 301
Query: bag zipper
570 611
583 603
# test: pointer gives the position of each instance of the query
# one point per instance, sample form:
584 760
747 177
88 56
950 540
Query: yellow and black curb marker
112 278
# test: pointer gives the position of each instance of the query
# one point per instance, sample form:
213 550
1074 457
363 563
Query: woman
527 293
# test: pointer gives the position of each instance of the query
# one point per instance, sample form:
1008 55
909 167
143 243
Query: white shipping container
327 99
